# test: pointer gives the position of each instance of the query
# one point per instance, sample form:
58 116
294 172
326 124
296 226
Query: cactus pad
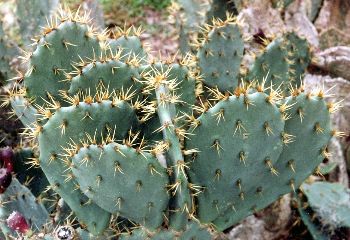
300 57
309 124
245 139
219 55
19 198
272 66
108 74
123 181
56 50
67 127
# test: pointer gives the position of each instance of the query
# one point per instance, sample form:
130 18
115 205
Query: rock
270 223
335 60
334 13
340 175
259 18
300 23
333 23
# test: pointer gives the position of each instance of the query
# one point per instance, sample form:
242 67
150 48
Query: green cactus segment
55 52
219 9
281 4
328 168
186 83
19 198
219 57
245 139
186 87
131 47
309 123
193 231
181 204
312 227
193 13
111 74
23 171
69 125
123 181
330 201
150 130
299 56
24 111
185 90
272 66
191 17
184 40
32 15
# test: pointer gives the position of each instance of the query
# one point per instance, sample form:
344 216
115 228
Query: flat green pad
24 111
297 161
195 231
219 58
300 56
219 8
19 198
93 119
330 201
186 87
234 144
272 66
185 90
306 217
190 18
23 171
113 75
55 53
186 83
124 182
131 46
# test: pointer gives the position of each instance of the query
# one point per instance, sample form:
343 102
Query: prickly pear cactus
220 54
19 198
167 143
33 176
190 15
331 203
219 8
